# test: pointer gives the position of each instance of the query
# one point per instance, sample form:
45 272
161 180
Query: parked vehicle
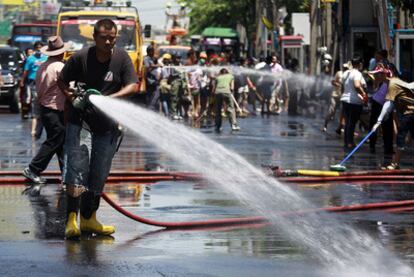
11 60
175 50
24 35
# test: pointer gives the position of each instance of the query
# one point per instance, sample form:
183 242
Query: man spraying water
109 70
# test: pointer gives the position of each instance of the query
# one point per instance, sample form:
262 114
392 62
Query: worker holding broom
223 93
400 96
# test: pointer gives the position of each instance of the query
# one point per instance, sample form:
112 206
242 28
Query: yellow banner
12 2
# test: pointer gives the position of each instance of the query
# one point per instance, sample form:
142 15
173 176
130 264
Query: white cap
327 57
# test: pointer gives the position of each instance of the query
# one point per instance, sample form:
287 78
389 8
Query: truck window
80 33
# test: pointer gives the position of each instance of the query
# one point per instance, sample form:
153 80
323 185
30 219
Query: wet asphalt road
31 226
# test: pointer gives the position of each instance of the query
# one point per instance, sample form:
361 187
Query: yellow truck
75 25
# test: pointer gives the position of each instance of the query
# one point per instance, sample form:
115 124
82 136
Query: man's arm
69 92
250 84
150 65
214 85
386 109
129 79
26 67
361 92
358 87
125 91
67 74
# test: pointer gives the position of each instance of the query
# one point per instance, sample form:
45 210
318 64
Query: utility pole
275 24
258 33
314 37
261 31
328 29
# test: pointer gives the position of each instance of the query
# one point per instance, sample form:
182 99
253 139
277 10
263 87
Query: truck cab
75 25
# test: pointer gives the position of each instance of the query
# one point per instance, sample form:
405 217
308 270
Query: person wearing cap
180 98
276 97
223 92
400 96
165 87
195 75
204 85
52 102
335 100
203 56
151 79
107 69
380 76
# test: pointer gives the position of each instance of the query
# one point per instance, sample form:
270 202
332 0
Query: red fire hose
151 177
135 173
190 224
408 204
10 177
14 177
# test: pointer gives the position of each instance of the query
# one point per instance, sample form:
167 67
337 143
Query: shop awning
219 32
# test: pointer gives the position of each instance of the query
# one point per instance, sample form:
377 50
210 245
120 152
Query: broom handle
358 146
235 102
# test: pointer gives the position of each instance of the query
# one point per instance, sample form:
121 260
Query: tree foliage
227 13
223 13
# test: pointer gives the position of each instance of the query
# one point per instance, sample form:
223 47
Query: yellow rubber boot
94 226
72 229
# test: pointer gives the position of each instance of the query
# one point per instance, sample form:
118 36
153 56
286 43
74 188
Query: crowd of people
200 87
380 92
212 87
205 86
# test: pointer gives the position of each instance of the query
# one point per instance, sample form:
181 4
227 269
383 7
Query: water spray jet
336 245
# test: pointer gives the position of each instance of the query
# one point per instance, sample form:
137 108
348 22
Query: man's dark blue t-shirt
108 78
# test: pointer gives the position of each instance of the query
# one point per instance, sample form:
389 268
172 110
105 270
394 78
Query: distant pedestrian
165 87
25 97
353 98
178 82
265 85
195 75
375 60
28 80
335 99
276 98
223 92
389 65
204 85
151 79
